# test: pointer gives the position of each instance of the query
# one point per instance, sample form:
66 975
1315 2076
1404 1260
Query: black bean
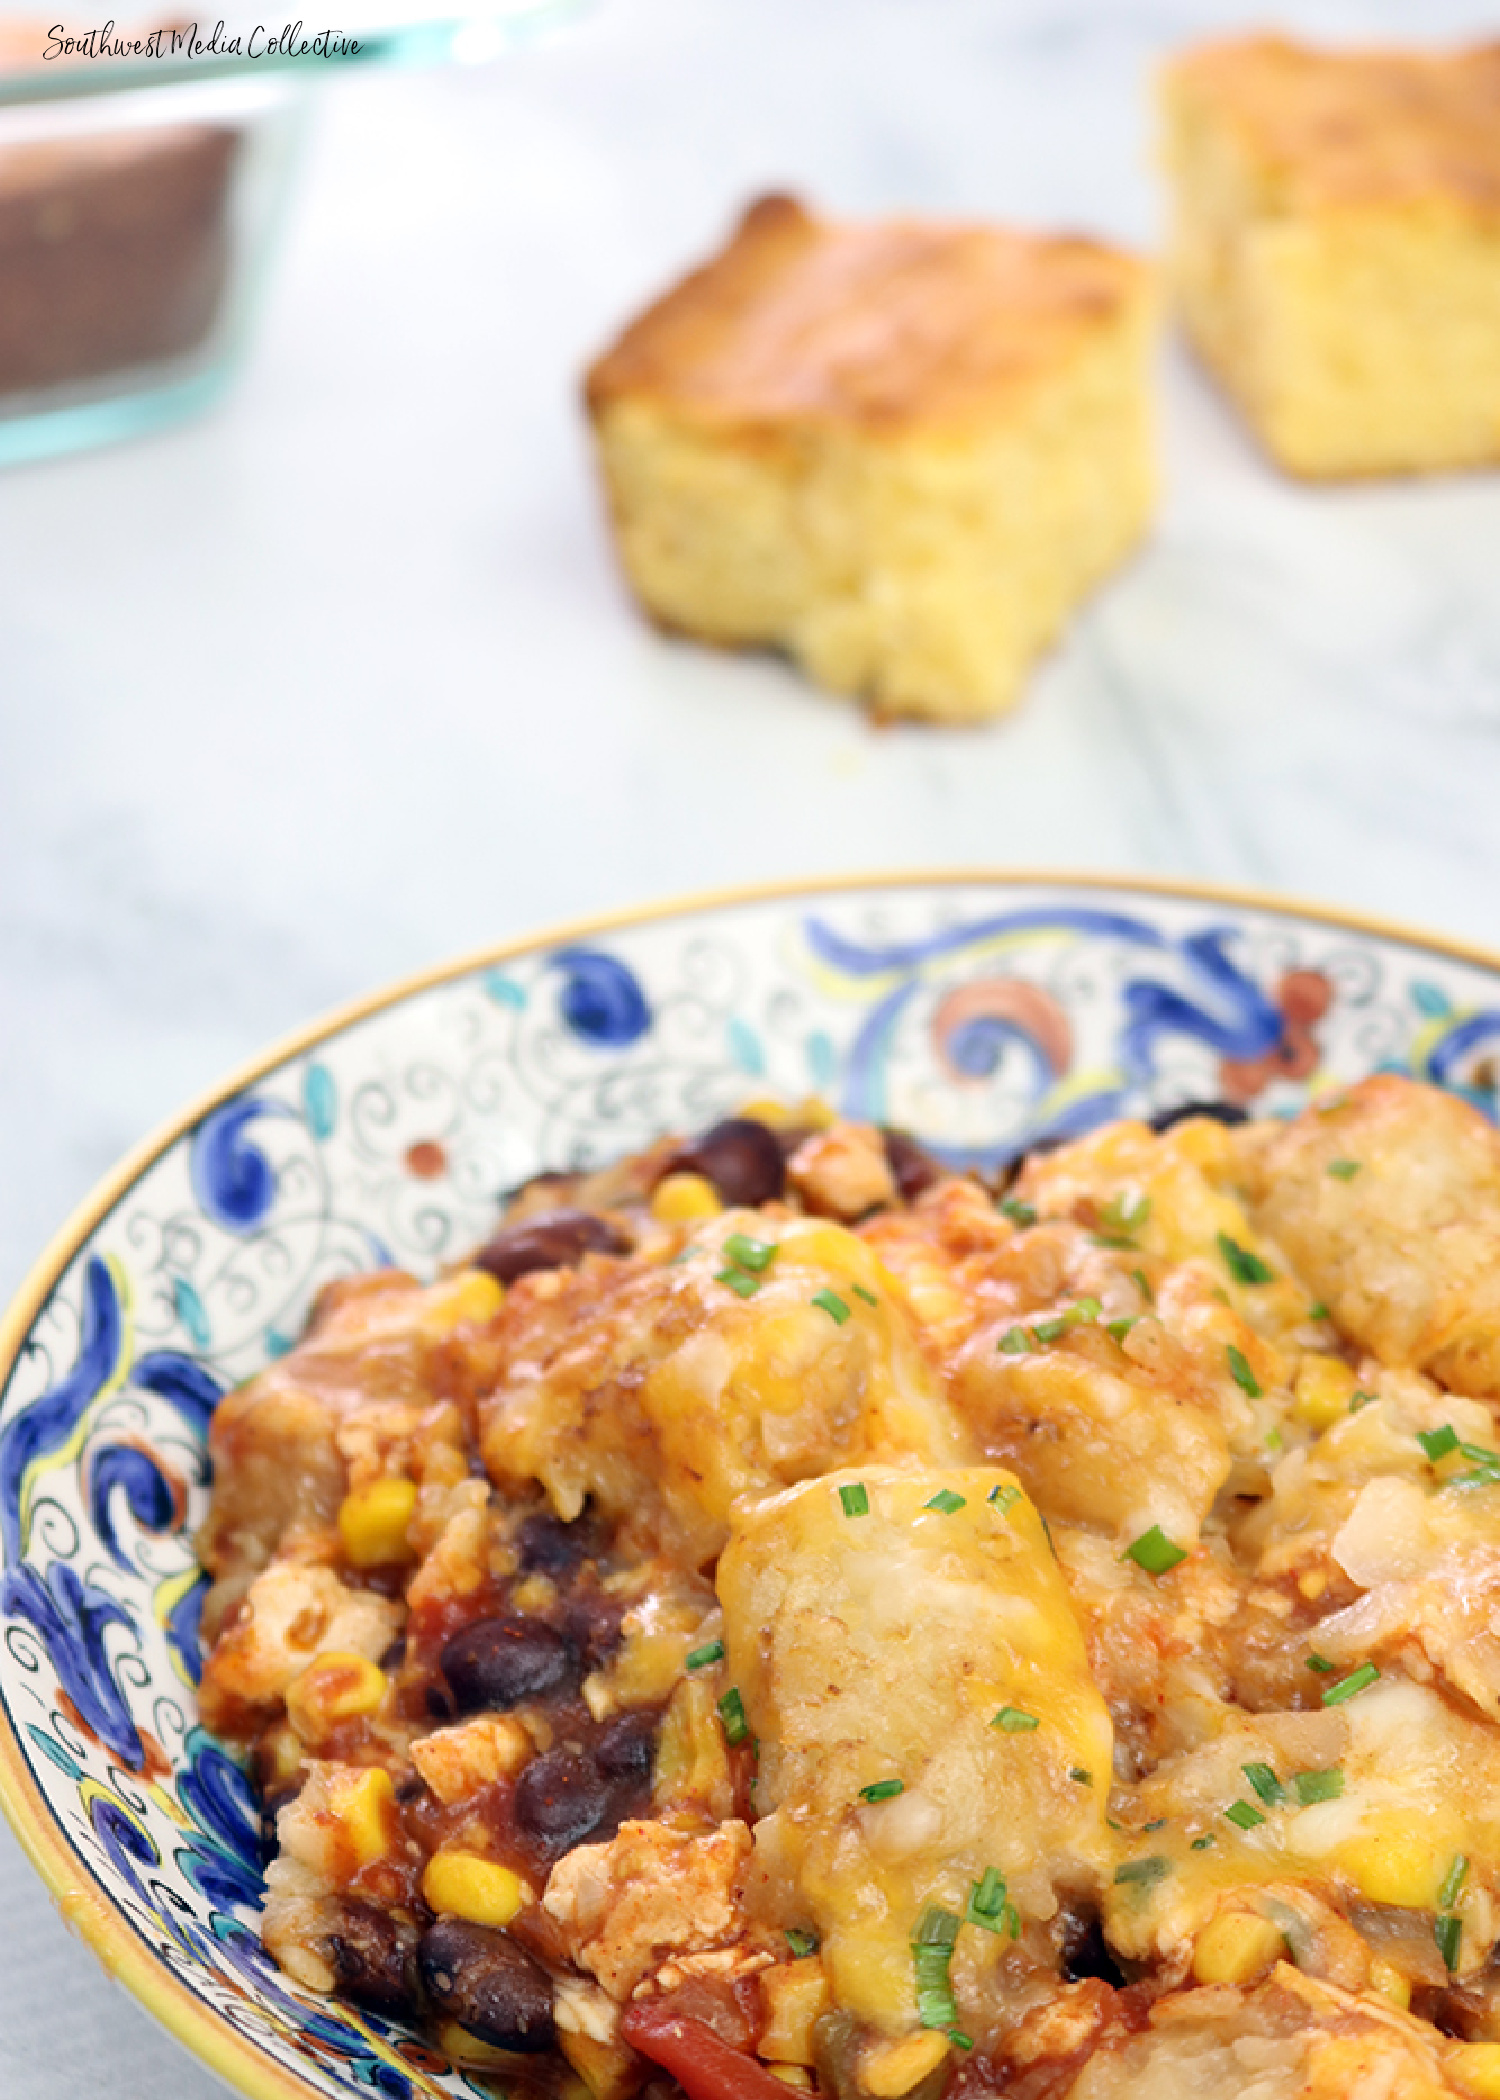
272 1803
488 1983
560 1798
1084 1952
626 1748
494 1664
592 1621
740 1157
552 1547
556 1239
370 1957
1217 1112
912 1169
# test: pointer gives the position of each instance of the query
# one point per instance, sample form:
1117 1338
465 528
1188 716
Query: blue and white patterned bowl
978 1012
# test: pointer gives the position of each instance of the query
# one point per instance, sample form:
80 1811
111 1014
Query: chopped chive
989 1892
1242 1265
1453 1882
1479 1455
1125 1213
1085 1310
1327 1785
831 1303
1202 1844
1274 1440
1121 1241
860 1292
1358 1399
1082 1774
1343 1169
1156 1823
1448 1932
1480 1477
1019 1213
732 1714
1241 1373
1154 1552
1243 1816
1265 1782
959 2039
1051 1330
1012 1921
710 1652
1346 1687
801 1943
1119 1328
986 1907
1318 1312
684 1254
932 1951
946 1502
1437 1443
855 1497
1322 1665
1139 1278
883 1790
1015 1342
753 1255
739 1281
1153 1868
1014 1720
1004 1496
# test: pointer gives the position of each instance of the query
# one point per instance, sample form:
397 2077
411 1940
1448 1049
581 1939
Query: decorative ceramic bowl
977 1012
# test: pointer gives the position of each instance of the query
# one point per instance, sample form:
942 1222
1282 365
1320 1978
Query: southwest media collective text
186 42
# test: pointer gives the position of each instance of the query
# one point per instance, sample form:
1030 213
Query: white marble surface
340 680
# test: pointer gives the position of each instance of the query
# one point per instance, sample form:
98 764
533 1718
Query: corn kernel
469 2053
681 1199
609 2070
333 1688
534 1593
810 1113
1476 2066
363 1805
467 1299
1235 1946
1396 1865
373 1521
792 2075
465 1885
1312 1582
889 2069
794 1995
280 1757
1389 1983
1324 1387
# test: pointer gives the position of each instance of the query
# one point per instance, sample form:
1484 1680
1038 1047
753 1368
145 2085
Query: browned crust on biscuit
885 324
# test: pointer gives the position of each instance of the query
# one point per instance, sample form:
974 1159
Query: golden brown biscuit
1336 247
900 450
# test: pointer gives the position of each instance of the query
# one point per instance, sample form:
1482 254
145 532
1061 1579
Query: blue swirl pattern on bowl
977 1015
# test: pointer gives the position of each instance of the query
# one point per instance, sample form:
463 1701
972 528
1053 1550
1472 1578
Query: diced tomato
705 2067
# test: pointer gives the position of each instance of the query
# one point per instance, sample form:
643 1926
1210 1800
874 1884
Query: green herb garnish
1241 1373
1004 1496
1014 1720
1154 1552
1448 1932
710 1652
1453 1882
946 1502
1019 1213
883 1790
739 1281
1015 1342
1327 1785
801 1943
1437 1443
932 1951
1153 1868
855 1498
860 1292
732 1714
754 1255
1343 1169
1346 1687
1265 1783
1243 1816
1242 1265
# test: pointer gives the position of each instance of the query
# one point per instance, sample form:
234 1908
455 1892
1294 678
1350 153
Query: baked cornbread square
901 451
1336 248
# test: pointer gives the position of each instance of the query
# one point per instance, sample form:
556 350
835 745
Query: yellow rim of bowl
84 1906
